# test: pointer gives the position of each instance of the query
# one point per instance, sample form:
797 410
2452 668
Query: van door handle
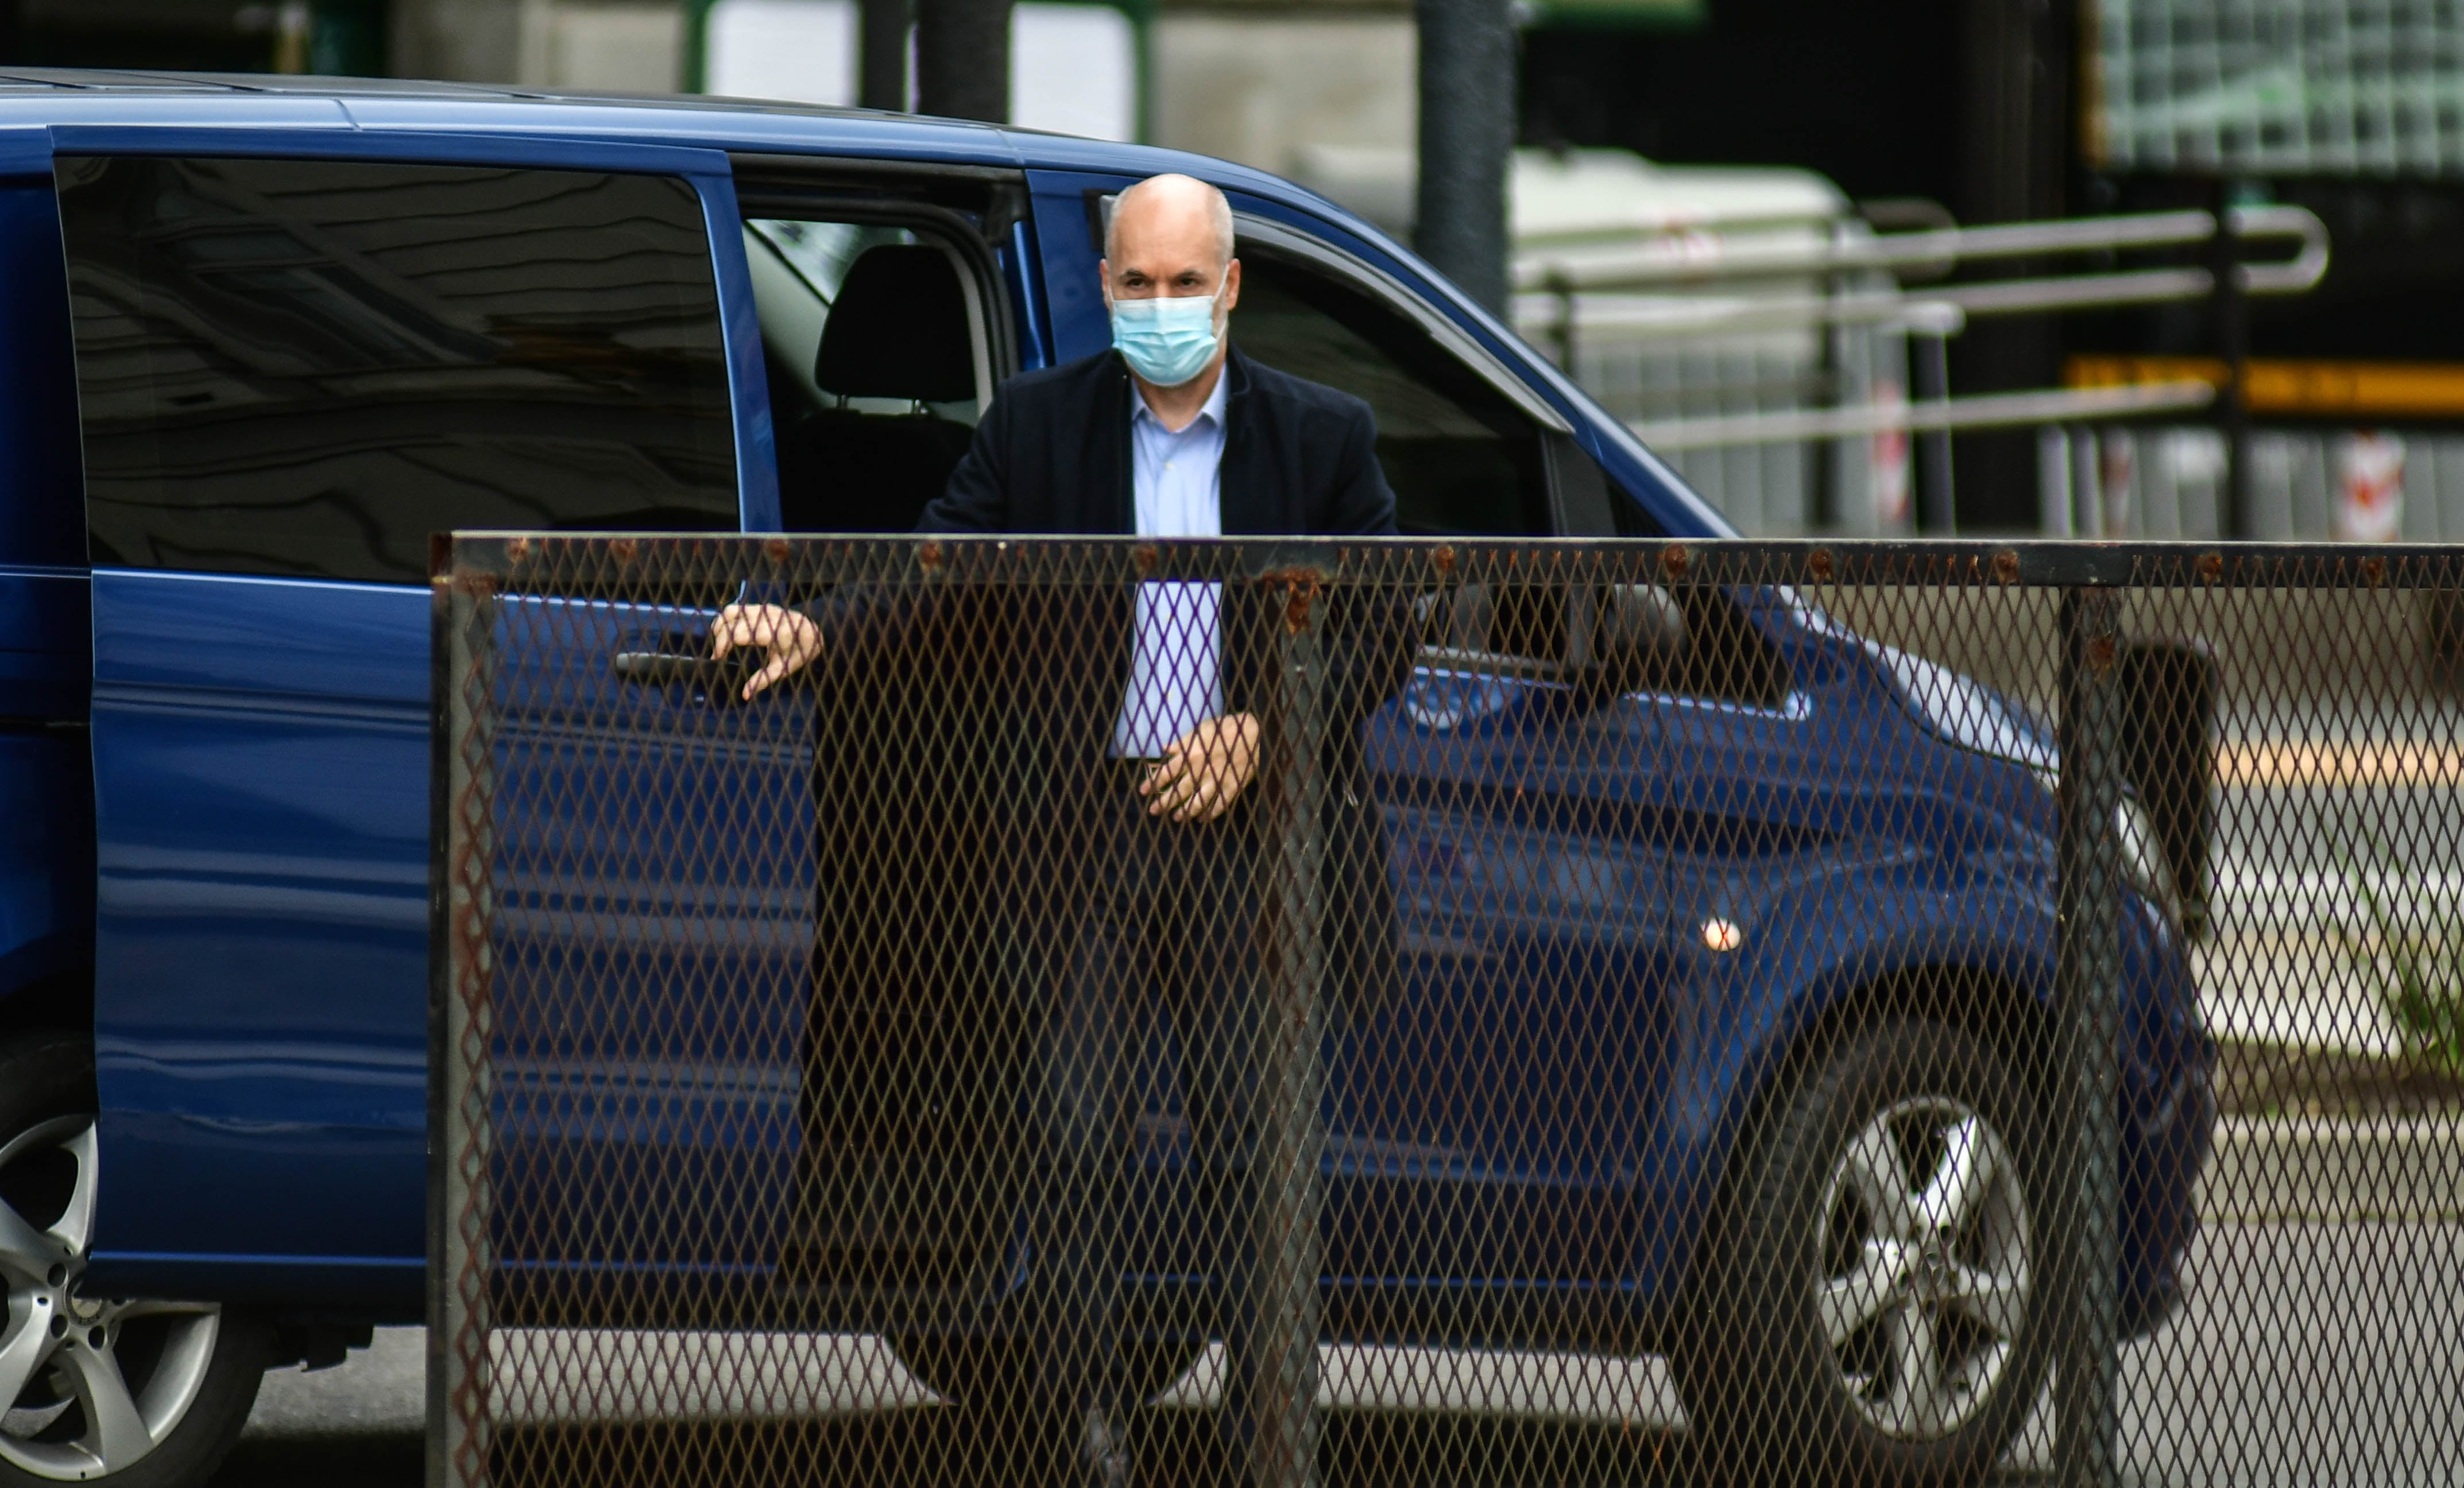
720 683
663 668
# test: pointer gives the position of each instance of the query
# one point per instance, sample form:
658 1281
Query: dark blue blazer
1052 456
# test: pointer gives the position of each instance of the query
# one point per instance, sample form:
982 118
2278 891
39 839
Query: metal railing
1690 296
1936 251
1985 410
1742 1011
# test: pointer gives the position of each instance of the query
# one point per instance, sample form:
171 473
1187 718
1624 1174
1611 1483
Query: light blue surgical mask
1167 340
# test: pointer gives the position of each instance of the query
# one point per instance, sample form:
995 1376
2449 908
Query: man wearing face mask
1171 433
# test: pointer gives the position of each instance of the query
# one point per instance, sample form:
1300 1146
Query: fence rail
1278 1012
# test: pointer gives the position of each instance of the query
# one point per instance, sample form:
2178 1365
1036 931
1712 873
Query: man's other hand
1204 771
791 638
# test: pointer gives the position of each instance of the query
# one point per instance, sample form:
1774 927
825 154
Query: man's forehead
1162 226
1167 245
1169 216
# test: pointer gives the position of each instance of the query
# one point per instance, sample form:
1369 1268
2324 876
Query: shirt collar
1216 402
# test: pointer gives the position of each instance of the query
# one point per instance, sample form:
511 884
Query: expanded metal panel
1644 1013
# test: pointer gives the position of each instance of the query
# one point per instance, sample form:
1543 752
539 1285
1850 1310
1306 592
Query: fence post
1292 1078
461 904
2087 988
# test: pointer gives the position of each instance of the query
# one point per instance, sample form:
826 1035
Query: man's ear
1231 285
1103 280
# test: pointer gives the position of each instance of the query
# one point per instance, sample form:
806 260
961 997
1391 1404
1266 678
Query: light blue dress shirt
1177 668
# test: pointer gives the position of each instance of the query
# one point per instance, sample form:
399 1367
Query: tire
67 1362
1860 1314
989 1376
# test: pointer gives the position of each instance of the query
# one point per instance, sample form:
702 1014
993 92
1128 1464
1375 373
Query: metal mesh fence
1256 1012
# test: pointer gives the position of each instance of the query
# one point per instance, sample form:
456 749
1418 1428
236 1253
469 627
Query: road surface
2304 1354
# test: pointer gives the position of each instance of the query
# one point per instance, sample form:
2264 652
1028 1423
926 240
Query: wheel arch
1984 999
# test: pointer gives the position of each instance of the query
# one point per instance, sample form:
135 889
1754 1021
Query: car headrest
898 329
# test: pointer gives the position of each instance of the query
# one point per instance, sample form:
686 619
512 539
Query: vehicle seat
897 329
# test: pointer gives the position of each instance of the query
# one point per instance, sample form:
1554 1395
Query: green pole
695 63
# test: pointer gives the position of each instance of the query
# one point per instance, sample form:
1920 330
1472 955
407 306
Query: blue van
260 338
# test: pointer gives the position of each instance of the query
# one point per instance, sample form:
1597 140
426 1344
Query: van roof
63 96
85 79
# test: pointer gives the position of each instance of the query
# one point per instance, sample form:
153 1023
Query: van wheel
1870 1300
137 1394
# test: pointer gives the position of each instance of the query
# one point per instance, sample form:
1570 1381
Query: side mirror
1638 637
1603 638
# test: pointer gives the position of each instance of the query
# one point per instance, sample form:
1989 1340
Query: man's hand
1204 771
792 641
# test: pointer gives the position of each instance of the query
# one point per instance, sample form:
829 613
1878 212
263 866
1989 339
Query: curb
2297 1168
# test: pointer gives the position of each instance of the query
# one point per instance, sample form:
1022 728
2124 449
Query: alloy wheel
90 1386
1925 1266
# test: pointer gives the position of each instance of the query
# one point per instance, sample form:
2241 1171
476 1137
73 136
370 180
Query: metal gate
1110 1011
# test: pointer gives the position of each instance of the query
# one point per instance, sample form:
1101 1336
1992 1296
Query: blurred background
1776 235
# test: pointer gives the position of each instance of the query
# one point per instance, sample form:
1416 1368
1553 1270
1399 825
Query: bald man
1171 433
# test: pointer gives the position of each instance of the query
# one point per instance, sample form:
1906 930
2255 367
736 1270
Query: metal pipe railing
1698 259
1992 410
1564 312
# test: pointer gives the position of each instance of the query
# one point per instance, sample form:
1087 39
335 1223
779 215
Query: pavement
2329 794
357 1425
2303 1353
2293 1168
2332 853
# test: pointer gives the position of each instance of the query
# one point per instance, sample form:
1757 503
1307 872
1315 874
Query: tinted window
305 367
1461 458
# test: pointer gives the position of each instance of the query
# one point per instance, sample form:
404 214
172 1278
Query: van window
305 367
1461 458
875 340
